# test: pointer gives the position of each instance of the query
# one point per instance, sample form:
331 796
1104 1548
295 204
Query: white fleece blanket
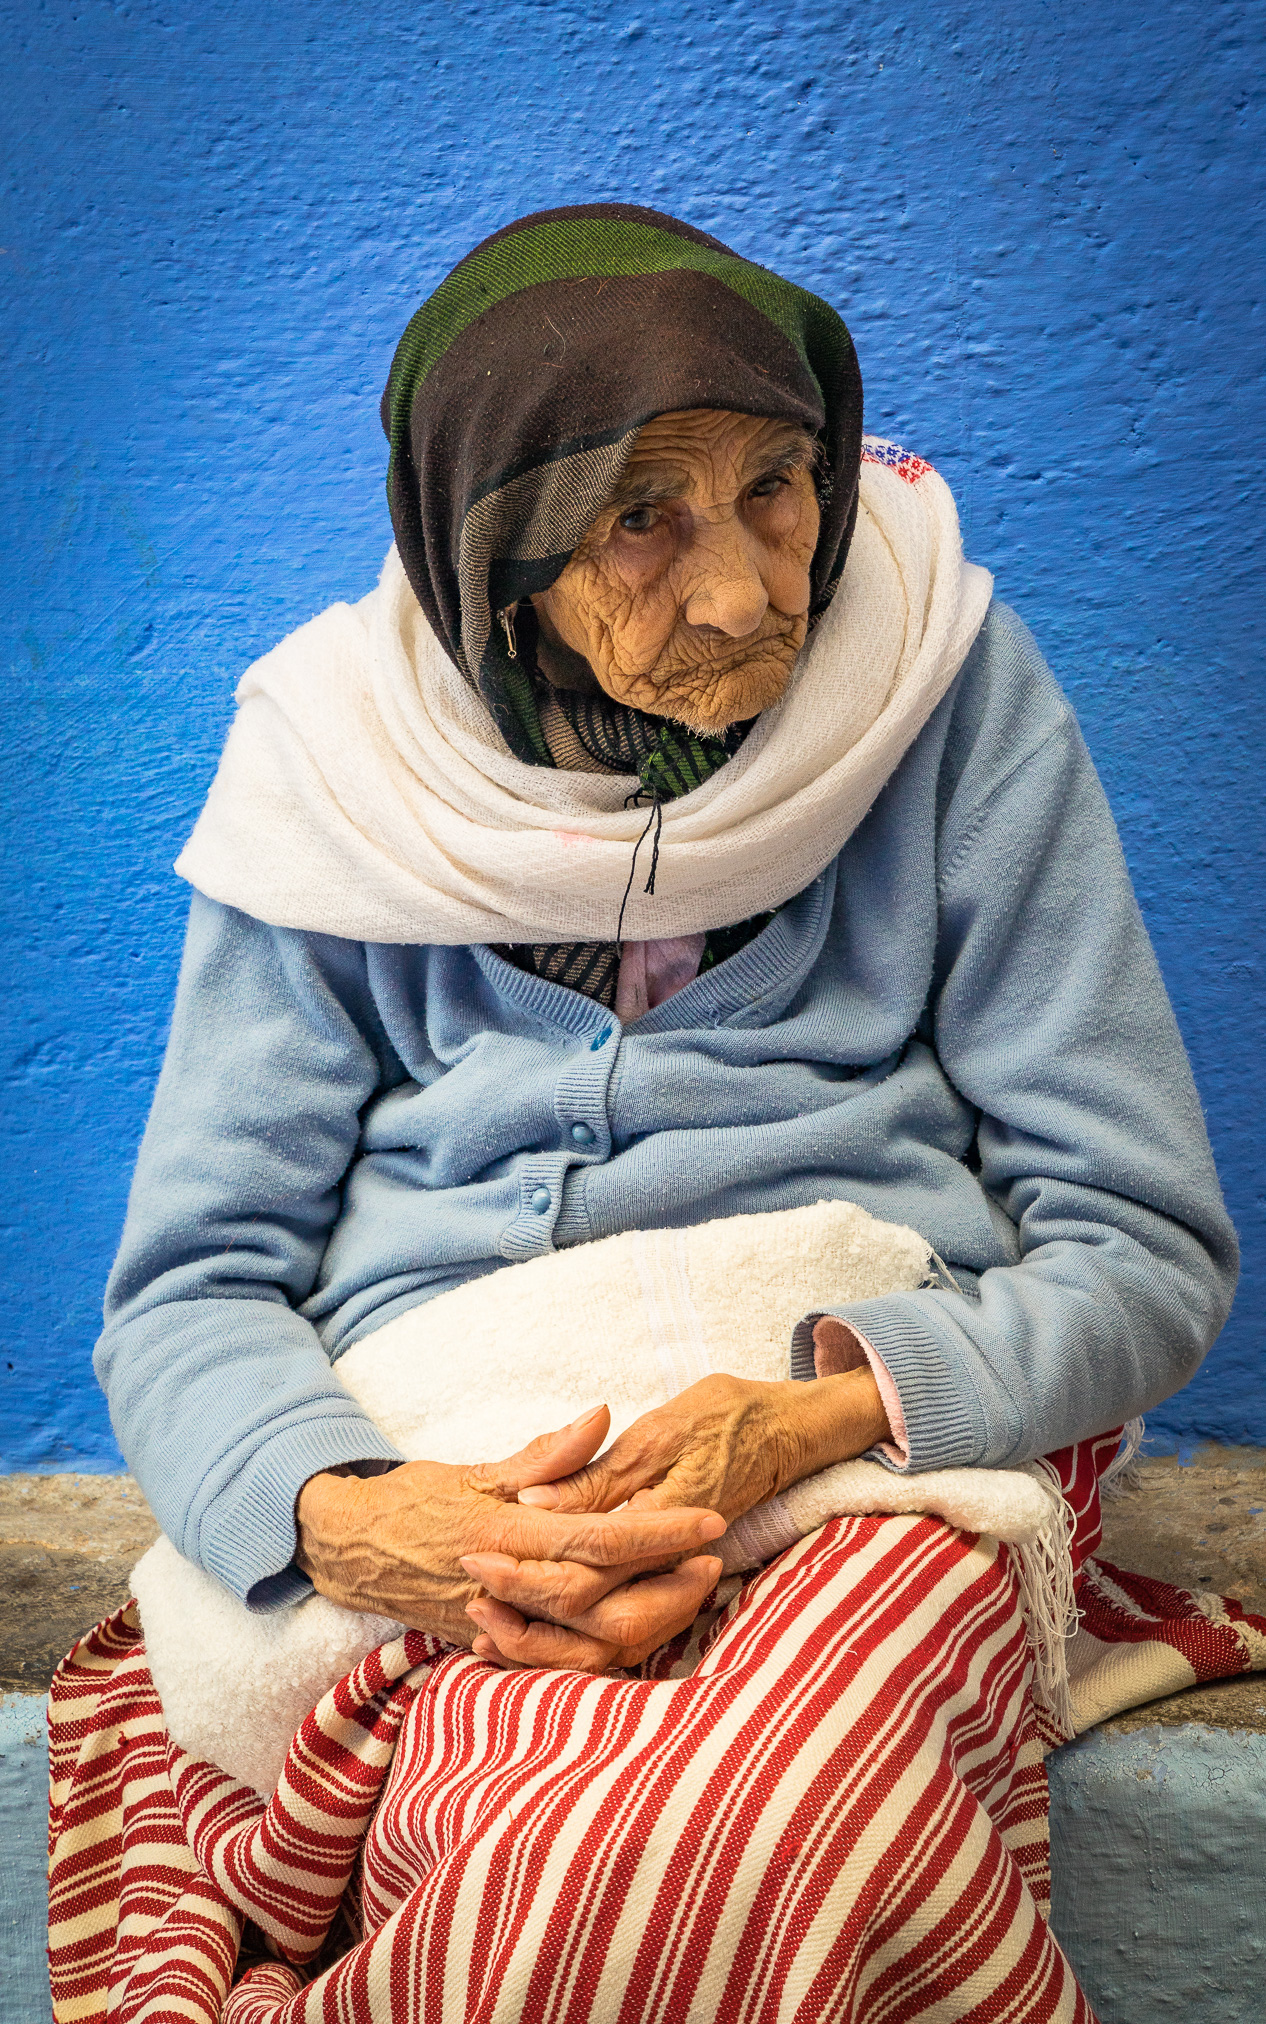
471 1376
365 792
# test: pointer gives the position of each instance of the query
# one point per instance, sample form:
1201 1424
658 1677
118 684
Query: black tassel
655 817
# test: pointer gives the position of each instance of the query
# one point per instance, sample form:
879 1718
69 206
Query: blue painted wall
1043 223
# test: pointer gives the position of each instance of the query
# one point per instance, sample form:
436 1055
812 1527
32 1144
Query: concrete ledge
1158 1859
24 1997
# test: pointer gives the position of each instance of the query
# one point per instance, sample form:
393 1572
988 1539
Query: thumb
548 1457
600 1487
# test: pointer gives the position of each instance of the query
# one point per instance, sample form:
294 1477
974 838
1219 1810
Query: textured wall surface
1042 223
24 1996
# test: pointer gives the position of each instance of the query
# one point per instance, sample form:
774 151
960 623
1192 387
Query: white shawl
364 790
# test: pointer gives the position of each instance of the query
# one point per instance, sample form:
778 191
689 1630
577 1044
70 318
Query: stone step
68 1545
1158 1818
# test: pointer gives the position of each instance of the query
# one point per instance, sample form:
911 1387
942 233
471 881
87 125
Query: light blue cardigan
959 1025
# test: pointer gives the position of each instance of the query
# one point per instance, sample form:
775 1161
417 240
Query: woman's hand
727 1443
400 1545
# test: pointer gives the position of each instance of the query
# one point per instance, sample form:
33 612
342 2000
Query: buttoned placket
584 1139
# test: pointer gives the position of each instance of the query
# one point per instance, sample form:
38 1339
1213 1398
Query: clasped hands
564 1557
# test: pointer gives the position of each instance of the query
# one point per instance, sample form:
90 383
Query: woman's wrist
836 1419
324 1520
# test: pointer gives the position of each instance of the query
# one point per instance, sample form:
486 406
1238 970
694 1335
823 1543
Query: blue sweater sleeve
1050 1016
222 1397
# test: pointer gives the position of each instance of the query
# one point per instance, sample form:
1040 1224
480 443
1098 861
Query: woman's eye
764 488
638 519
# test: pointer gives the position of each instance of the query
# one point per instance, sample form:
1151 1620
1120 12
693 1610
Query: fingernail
713 1525
544 1495
585 1418
481 1565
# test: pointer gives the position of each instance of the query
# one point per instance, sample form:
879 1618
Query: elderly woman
678 832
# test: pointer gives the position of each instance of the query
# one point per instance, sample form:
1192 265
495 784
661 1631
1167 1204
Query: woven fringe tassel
1049 1601
1121 1473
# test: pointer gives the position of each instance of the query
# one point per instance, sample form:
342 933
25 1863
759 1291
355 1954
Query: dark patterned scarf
514 400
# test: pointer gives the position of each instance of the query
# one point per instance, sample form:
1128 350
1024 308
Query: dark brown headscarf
518 389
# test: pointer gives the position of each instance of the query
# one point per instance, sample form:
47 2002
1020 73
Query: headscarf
512 407
513 403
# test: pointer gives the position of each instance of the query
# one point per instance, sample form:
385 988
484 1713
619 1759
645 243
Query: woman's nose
726 589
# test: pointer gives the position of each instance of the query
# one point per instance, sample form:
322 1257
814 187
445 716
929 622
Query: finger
631 1539
484 1648
663 1496
641 1455
621 1630
518 1642
549 1455
558 1589
636 1620
681 1488
645 1614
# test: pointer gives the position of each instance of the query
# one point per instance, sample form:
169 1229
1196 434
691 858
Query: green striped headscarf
517 391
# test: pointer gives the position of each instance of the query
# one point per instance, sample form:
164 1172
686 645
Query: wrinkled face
689 595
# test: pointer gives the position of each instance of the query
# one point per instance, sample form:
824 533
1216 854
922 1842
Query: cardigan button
583 1134
541 1199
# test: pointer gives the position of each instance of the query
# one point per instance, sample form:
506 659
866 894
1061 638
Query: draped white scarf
364 790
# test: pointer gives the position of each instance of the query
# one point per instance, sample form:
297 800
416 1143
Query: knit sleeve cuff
838 1347
246 1536
936 1421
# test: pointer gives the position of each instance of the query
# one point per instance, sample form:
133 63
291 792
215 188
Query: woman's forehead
684 439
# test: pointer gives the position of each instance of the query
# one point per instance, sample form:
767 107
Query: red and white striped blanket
827 1800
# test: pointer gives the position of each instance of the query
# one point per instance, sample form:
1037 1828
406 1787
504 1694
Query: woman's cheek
787 583
643 629
791 560
638 559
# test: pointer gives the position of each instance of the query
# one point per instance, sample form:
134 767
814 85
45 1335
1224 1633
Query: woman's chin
705 701
733 697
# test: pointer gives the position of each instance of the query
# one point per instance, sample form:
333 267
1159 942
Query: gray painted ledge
1158 1857
24 1997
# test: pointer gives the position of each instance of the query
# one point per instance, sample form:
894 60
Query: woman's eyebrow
646 485
794 447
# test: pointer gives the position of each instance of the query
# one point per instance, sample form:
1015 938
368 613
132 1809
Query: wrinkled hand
727 1443
410 1545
